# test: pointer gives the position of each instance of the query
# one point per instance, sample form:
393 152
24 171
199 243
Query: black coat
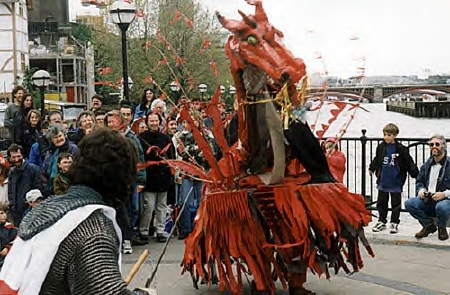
404 161
20 181
30 135
158 176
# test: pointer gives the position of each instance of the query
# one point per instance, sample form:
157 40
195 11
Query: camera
427 196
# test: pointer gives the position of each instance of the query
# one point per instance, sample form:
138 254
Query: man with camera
433 190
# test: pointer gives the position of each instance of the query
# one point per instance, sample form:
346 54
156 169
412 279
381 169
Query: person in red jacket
335 158
7 233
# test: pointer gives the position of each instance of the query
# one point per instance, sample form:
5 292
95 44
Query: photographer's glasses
436 144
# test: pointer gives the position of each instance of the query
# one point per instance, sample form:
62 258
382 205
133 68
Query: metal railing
360 151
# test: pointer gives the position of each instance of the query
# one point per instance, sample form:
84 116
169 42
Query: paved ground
399 268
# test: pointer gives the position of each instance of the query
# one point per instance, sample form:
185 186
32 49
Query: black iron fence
361 150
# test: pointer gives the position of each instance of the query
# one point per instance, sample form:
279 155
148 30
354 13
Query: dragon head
255 43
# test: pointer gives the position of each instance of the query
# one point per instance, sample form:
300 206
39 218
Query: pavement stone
408 227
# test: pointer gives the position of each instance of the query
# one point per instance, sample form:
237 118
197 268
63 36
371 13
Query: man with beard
22 178
158 146
96 103
433 190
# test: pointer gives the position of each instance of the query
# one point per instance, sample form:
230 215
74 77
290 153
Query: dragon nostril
285 76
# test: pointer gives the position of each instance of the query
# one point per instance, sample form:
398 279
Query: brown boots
426 231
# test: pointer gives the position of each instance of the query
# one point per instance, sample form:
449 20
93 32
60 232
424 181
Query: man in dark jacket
22 177
433 191
157 146
391 163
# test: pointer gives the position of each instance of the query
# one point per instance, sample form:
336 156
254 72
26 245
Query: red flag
148 80
213 67
188 22
205 45
179 60
176 17
320 133
105 70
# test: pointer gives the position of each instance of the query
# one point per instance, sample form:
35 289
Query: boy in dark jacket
390 165
7 233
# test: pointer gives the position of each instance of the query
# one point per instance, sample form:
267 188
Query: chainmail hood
54 208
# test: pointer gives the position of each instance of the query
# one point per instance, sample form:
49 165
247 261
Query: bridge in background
376 93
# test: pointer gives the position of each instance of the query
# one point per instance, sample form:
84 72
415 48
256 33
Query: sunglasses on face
436 144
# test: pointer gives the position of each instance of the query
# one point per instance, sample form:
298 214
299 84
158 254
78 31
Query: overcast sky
394 37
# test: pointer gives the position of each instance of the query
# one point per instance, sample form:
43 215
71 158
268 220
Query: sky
352 37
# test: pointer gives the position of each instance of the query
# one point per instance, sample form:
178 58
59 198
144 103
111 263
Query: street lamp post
202 88
232 90
41 79
122 14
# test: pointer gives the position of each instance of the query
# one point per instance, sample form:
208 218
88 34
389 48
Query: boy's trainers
126 247
380 226
394 228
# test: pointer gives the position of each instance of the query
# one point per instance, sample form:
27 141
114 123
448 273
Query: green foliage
81 32
177 42
27 83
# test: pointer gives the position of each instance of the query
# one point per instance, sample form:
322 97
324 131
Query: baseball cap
33 195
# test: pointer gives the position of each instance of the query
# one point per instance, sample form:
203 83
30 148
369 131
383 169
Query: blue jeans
134 208
190 210
425 211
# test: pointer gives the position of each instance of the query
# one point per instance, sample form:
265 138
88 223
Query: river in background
376 118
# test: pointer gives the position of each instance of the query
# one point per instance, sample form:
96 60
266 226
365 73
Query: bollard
363 140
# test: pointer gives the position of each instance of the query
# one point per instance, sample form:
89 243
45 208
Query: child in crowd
34 197
390 165
61 182
335 158
7 233
4 169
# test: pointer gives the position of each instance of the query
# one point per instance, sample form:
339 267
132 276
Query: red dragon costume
259 215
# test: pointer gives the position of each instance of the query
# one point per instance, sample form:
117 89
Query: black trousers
383 206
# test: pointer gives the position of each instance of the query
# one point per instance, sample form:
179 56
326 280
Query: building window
30 4
20 9
22 62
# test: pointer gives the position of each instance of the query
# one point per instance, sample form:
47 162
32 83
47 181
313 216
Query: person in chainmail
83 257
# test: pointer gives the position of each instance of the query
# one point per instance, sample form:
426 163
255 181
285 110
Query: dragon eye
252 40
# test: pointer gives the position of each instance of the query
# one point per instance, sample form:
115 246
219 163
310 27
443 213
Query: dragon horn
229 24
247 20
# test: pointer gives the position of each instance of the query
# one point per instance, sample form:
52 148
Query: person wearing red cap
335 158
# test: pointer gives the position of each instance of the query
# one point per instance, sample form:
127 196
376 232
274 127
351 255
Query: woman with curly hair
86 123
85 251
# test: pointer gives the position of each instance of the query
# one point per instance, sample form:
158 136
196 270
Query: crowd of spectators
44 148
